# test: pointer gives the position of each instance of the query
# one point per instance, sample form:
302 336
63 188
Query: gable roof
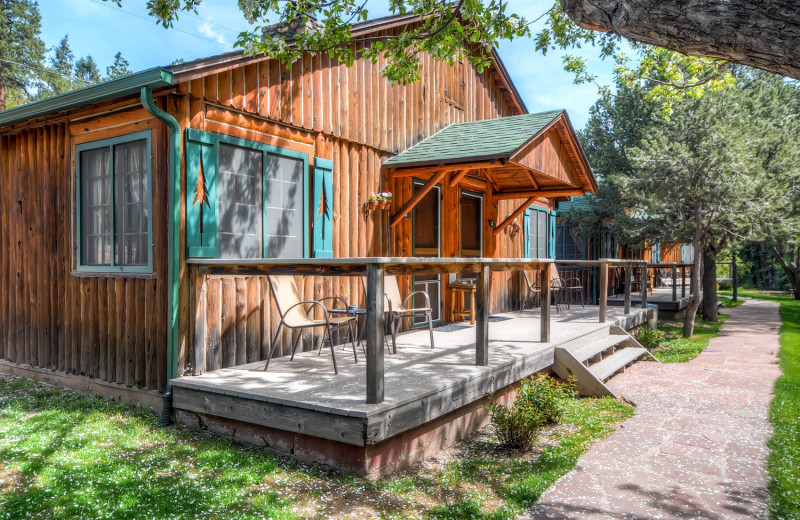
476 140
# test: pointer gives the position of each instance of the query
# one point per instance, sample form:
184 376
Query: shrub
725 286
540 400
651 338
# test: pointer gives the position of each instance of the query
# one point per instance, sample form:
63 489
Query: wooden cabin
107 191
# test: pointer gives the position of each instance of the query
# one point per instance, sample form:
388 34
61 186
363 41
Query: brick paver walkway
696 447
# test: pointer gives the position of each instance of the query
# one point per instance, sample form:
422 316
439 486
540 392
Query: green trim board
110 144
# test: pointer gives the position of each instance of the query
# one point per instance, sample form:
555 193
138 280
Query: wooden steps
617 362
597 358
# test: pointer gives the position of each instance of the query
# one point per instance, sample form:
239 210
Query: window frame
534 213
265 149
110 143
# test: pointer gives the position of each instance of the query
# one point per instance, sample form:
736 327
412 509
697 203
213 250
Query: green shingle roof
578 203
476 140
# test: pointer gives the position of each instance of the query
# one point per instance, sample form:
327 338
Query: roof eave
118 87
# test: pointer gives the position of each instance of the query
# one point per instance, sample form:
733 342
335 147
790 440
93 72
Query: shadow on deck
301 399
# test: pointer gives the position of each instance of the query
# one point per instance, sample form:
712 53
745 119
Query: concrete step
590 350
619 360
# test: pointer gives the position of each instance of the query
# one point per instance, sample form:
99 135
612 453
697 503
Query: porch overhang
527 157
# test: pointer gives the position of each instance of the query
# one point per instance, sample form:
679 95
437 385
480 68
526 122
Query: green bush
539 401
651 338
725 286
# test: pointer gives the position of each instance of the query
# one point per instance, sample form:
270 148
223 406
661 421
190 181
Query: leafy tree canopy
21 50
284 30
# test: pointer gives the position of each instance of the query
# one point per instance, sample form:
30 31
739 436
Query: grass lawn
784 413
68 455
676 348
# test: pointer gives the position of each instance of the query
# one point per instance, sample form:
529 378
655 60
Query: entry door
426 224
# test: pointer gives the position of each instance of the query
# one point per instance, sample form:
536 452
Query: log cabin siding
354 117
107 327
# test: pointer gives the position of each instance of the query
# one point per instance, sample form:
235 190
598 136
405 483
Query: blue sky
100 29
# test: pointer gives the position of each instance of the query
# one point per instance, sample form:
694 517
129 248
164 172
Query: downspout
173 242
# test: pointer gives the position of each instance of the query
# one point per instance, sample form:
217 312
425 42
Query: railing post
683 281
734 278
628 276
375 333
674 282
482 316
545 316
603 290
644 286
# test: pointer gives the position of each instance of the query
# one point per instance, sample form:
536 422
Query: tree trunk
694 303
734 277
759 33
791 266
3 93
710 301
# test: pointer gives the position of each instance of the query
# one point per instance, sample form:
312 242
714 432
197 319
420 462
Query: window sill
89 274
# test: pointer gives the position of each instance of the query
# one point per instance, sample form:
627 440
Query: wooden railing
374 269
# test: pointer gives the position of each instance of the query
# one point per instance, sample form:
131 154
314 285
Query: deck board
421 383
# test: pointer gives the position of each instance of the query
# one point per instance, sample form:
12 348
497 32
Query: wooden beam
482 302
545 299
418 196
456 178
510 218
422 170
532 178
603 289
374 333
506 195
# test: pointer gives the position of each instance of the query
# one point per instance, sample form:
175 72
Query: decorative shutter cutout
201 194
323 208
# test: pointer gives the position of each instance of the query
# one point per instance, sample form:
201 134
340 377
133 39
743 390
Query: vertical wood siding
111 328
354 117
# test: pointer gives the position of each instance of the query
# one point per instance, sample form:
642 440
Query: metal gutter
118 87
173 241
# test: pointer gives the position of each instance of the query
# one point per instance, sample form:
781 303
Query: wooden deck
421 384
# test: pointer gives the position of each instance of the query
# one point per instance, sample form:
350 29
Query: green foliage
120 67
677 349
783 463
651 338
86 71
68 455
539 401
21 50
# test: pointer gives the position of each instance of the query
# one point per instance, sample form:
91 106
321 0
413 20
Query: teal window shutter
551 235
526 233
323 208
201 194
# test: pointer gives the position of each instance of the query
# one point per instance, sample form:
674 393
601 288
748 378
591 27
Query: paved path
696 447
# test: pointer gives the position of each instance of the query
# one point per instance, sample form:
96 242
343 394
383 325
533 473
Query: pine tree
62 65
21 50
120 67
86 71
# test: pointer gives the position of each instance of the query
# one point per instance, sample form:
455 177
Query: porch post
545 296
628 276
683 281
645 280
375 329
674 282
482 316
603 296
